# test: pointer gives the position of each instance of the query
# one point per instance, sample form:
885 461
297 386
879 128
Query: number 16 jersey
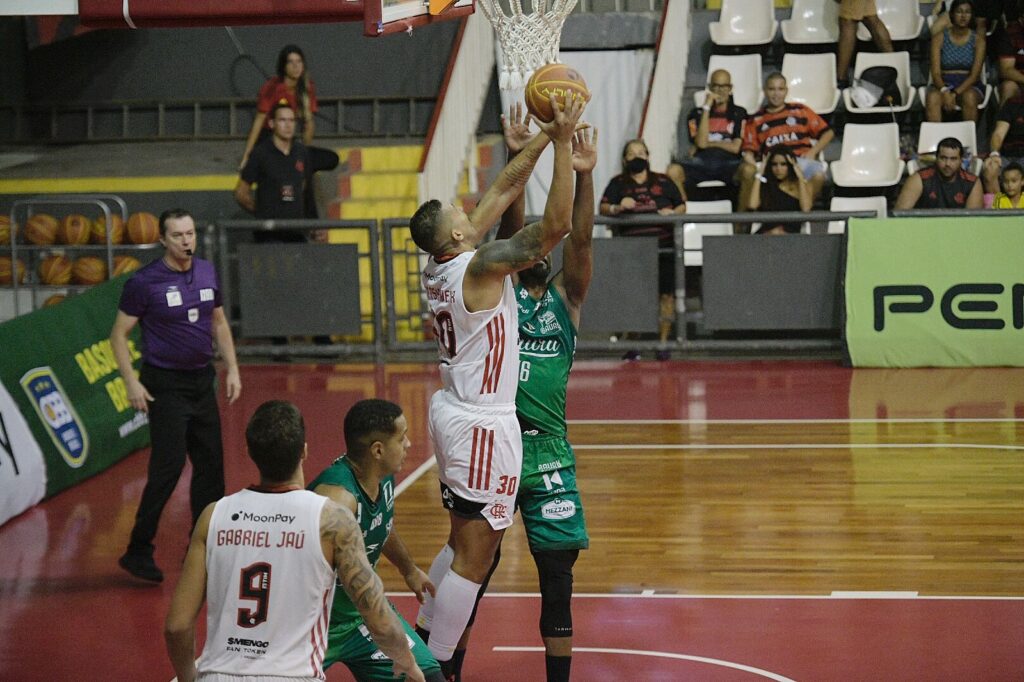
479 351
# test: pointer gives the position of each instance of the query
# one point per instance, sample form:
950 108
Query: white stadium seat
875 203
693 233
812 80
930 133
745 71
745 22
870 156
899 60
812 22
903 18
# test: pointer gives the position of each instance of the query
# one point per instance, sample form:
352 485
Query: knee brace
554 568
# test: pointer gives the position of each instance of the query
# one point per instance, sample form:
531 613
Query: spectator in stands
1012 179
780 186
986 14
944 185
957 58
716 134
792 125
1009 51
292 84
639 190
851 12
1006 143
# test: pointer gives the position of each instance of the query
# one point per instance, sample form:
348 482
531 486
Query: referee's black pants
183 419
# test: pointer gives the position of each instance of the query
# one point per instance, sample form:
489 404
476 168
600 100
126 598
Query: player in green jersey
363 481
549 316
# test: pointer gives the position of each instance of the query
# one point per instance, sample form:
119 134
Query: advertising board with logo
935 292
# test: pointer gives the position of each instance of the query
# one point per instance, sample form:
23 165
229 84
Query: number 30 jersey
479 351
269 588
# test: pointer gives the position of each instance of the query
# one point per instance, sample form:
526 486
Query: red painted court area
67 612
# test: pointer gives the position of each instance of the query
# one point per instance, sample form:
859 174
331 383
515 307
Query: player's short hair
276 438
950 143
426 224
171 214
283 104
775 75
369 421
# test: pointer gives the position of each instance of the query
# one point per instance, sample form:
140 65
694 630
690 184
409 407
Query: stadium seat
812 22
903 18
745 71
870 156
745 22
875 203
899 60
693 233
930 133
812 80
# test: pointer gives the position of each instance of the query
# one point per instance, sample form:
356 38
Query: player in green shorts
363 481
549 316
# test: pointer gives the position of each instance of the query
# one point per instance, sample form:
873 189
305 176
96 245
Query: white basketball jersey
479 351
269 588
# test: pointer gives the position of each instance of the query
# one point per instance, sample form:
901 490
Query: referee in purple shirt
177 302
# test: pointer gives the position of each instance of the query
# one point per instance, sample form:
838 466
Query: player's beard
536 275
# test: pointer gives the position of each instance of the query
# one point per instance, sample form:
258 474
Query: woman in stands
957 58
292 84
782 188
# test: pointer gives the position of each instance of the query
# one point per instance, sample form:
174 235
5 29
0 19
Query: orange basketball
143 228
124 264
5 270
54 300
99 230
88 270
5 230
55 270
74 229
552 79
41 229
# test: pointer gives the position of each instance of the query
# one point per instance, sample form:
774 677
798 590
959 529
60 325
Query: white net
528 40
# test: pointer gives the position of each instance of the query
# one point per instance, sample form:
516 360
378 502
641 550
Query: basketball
552 79
125 264
5 270
55 270
88 270
41 229
74 229
143 228
5 230
99 230
54 300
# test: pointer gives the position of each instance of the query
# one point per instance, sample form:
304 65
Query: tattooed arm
339 531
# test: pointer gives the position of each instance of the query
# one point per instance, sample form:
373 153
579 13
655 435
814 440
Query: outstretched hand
516 128
562 127
584 150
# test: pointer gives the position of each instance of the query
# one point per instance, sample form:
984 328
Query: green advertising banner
935 292
58 366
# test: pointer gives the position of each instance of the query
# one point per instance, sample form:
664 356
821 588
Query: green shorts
549 501
367 662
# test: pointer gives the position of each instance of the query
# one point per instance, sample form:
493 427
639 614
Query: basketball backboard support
382 17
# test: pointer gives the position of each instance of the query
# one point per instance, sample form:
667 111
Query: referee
177 302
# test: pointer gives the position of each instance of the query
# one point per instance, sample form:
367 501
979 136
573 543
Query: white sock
455 599
438 569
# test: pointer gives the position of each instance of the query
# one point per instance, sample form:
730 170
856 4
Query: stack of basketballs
69 264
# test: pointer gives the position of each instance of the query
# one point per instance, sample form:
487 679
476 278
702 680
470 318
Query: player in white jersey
266 560
472 419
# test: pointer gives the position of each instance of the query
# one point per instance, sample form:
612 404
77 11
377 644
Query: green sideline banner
935 292
58 366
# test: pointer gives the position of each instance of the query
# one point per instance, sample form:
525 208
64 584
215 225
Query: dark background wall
13 55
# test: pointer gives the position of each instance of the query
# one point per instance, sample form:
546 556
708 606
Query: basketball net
528 41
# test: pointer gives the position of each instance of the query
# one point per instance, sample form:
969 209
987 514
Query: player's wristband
993 153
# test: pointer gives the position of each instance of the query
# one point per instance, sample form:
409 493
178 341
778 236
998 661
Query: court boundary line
841 596
794 446
894 420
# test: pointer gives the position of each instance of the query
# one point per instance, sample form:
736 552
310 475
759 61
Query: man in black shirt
944 185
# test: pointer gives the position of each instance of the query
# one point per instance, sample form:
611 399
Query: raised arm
577 258
517 134
338 526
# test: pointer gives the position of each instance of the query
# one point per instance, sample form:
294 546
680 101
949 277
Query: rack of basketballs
58 255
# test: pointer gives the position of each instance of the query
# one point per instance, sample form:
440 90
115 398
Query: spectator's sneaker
631 355
142 567
663 354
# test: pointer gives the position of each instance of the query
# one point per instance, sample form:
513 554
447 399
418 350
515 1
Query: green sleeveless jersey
375 519
547 343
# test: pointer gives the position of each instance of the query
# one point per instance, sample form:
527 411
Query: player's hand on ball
567 115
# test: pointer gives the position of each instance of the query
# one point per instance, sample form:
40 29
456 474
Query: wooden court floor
751 520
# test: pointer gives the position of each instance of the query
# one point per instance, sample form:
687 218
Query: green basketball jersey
547 343
375 519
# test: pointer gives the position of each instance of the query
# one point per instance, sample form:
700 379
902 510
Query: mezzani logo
262 518
51 403
558 509
972 297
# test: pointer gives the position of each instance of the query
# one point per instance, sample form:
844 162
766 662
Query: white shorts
479 452
811 167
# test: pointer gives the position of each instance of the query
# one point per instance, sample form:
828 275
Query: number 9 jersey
479 351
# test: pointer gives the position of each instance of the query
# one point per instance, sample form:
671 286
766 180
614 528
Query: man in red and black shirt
944 185
716 134
783 123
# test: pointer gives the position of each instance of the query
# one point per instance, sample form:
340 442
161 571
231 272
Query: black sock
457 659
424 634
557 667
